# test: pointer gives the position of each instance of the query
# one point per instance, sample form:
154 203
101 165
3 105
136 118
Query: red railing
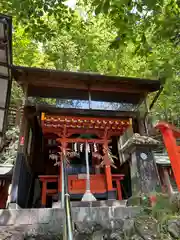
170 134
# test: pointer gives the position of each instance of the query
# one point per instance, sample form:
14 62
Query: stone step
106 203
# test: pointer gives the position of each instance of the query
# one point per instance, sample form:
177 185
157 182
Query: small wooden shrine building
90 109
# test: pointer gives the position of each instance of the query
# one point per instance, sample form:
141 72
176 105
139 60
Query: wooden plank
81 86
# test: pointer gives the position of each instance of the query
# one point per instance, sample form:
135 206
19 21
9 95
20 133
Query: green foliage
34 15
25 50
134 19
16 94
9 150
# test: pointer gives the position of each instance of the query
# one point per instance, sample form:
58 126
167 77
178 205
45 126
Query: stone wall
92 223
49 222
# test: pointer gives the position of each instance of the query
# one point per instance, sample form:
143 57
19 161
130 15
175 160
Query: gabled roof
75 85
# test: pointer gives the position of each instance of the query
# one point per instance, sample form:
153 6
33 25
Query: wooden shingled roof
75 85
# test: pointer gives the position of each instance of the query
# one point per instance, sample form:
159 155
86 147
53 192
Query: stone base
49 222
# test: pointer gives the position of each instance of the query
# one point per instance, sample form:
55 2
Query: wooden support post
108 177
117 178
119 193
16 178
44 189
167 181
110 192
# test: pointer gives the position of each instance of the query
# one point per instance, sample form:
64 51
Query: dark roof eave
151 85
80 112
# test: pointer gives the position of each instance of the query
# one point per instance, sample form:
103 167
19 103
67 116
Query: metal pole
65 236
62 183
65 231
87 168
69 225
88 196
89 94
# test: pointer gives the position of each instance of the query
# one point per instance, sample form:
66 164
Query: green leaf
139 8
95 3
99 8
106 6
46 8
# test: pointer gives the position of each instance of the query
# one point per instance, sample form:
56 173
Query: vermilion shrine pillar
108 174
170 134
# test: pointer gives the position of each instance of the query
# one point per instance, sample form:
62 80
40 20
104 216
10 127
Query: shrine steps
105 203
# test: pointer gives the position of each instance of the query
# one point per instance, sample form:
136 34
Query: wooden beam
81 140
85 112
79 85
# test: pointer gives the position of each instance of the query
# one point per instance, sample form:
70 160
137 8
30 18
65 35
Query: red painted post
44 189
172 149
108 177
118 185
107 168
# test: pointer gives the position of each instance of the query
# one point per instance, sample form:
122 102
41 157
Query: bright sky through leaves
71 3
